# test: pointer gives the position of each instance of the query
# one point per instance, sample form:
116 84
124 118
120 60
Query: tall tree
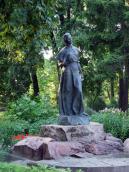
109 22
25 29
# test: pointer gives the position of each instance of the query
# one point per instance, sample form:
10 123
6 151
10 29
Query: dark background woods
99 28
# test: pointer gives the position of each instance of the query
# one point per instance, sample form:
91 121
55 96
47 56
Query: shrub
3 155
35 127
97 104
31 110
4 167
113 104
115 122
89 111
10 128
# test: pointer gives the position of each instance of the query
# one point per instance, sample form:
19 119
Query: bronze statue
71 107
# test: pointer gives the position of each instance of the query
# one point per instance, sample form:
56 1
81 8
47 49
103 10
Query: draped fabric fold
70 89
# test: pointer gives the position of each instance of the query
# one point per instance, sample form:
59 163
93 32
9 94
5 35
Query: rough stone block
92 132
104 147
126 145
57 141
55 150
113 139
31 147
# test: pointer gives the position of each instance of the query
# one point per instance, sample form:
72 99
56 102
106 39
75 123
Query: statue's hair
67 34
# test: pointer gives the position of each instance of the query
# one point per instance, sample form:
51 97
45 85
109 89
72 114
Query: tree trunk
54 46
61 17
69 10
35 82
112 89
109 96
126 82
123 93
125 96
123 105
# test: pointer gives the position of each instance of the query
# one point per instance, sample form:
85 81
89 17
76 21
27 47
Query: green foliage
35 127
13 127
25 29
113 104
99 28
9 128
28 27
31 110
3 155
48 80
18 81
114 121
28 114
89 111
97 104
18 168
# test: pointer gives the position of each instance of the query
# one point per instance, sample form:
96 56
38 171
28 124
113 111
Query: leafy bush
31 110
3 155
115 122
4 167
26 113
97 104
35 127
89 111
113 104
9 128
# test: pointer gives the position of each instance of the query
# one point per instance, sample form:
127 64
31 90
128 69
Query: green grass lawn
4 167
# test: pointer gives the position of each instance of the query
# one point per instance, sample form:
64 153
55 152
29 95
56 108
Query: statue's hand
61 64
82 77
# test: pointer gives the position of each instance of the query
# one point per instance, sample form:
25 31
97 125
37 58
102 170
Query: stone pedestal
87 133
57 141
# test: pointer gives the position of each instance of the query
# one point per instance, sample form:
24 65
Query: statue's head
67 39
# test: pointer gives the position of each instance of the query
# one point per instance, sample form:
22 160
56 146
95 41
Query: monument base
74 120
56 141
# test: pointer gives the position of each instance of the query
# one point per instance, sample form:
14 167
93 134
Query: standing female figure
71 107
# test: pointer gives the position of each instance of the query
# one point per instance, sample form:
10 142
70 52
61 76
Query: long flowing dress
70 89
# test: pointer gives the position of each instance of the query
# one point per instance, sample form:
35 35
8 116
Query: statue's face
67 39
